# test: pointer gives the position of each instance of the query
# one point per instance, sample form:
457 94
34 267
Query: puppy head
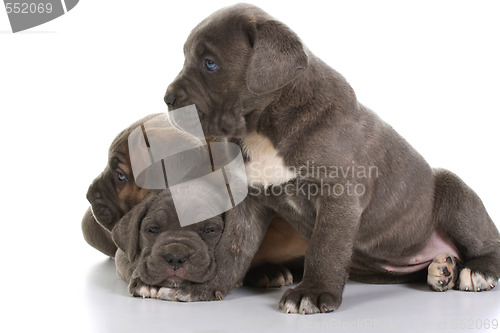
165 253
114 192
237 61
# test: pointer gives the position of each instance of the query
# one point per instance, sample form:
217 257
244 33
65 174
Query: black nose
93 194
175 260
169 99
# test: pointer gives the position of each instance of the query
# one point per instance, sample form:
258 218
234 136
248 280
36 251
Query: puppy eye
208 231
121 177
154 230
210 65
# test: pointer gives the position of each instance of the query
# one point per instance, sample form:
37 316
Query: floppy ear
126 232
278 57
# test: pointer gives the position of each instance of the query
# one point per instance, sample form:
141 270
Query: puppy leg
327 258
96 236
125 270
462 216
245 228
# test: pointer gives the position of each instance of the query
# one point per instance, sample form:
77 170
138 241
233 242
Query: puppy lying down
114 193
155 253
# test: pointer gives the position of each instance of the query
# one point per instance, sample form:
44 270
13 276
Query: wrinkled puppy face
113 193
236 61
165 253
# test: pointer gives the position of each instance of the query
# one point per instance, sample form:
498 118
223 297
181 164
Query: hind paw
269 276
475 281
442 272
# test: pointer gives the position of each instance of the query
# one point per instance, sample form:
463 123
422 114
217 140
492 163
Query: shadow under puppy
114 193
155 253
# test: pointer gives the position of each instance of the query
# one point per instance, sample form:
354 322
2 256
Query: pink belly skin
437 244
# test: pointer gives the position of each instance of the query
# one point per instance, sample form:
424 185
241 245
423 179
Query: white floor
77 290
69 86
366 308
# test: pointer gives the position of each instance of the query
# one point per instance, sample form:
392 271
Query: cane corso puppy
114 193
369 204
155 253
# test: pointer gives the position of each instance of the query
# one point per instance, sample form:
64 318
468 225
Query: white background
429 68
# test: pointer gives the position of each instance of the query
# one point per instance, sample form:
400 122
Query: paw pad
442 272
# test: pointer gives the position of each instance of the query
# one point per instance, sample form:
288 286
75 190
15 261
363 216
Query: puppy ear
278 57
126 232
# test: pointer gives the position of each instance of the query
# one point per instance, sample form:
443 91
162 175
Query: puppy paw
303 301
194 293
442 272
269 276
167 294
144 291
475 281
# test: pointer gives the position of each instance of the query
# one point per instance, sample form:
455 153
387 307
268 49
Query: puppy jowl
26 14
184 163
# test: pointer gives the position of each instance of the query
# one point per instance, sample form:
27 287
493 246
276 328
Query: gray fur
111 199
151 242
269 83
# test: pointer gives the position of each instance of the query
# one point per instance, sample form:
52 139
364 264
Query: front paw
192 293
144 291
308 301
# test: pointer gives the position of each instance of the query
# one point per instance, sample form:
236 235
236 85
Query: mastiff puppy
155 253
114 193
370 206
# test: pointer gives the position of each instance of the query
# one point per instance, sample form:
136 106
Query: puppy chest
265 167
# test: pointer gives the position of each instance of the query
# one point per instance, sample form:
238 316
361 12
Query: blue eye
210 65
208 231
121 177
154 230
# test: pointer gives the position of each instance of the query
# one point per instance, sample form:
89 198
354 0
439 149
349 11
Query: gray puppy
155 253
114 193
369 204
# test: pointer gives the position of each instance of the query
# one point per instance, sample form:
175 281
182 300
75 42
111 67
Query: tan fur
281 244
291 111
132 192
